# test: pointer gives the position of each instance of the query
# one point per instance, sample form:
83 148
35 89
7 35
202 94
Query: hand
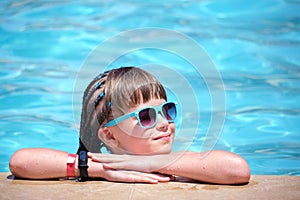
133 176
146 164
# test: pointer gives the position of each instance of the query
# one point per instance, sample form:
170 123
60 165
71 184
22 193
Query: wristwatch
82 165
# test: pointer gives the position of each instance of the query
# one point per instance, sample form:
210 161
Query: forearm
42 163
48 163
214 166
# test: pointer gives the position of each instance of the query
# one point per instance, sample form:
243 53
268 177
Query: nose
162 123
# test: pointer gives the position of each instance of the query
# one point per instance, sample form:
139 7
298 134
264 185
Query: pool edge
259 187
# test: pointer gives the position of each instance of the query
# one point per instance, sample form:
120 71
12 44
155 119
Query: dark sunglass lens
147 116
170 111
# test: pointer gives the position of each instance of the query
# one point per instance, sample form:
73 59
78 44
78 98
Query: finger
171 177
89 154
130 166
95 158
146 176
118 166
98 157
131 177
142 179
159 177
107 158
105 166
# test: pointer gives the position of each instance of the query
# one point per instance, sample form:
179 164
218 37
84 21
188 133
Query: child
126 111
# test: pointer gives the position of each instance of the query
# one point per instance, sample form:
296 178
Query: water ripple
264 110
35 118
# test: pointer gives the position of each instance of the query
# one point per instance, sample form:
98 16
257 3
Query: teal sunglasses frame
157 109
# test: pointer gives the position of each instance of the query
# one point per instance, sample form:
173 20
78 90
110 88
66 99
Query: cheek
129 134
125 128
134 144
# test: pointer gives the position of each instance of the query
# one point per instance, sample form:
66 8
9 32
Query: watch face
83 157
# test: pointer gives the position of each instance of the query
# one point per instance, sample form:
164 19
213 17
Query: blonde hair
110 95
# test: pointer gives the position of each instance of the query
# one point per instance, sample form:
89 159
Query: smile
163 137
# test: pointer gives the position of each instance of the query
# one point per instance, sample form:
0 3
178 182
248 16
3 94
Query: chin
163 150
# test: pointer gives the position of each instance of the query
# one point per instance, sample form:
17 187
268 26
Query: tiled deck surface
260 187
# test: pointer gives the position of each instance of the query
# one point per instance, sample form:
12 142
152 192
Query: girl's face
130 138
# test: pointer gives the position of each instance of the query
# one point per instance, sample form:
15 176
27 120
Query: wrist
77 172
161 163
95 169
70 166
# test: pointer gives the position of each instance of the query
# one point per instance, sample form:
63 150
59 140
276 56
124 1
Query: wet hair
110 95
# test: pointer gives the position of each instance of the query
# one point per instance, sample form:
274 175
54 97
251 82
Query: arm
39 163
215 166
42 163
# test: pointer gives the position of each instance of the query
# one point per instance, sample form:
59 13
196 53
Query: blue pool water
255 46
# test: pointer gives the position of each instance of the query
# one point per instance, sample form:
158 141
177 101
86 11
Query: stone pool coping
259 187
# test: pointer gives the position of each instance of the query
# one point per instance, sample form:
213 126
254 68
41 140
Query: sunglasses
147 117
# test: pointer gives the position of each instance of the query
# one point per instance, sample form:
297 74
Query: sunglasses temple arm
119 119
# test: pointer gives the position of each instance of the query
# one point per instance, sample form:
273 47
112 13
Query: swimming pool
255 46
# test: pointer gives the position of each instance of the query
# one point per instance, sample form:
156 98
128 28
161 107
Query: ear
107 137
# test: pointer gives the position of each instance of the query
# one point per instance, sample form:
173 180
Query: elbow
239 172
17 163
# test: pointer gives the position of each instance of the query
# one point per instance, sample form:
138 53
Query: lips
162 136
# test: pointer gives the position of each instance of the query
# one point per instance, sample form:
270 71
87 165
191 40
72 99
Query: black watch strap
82 165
